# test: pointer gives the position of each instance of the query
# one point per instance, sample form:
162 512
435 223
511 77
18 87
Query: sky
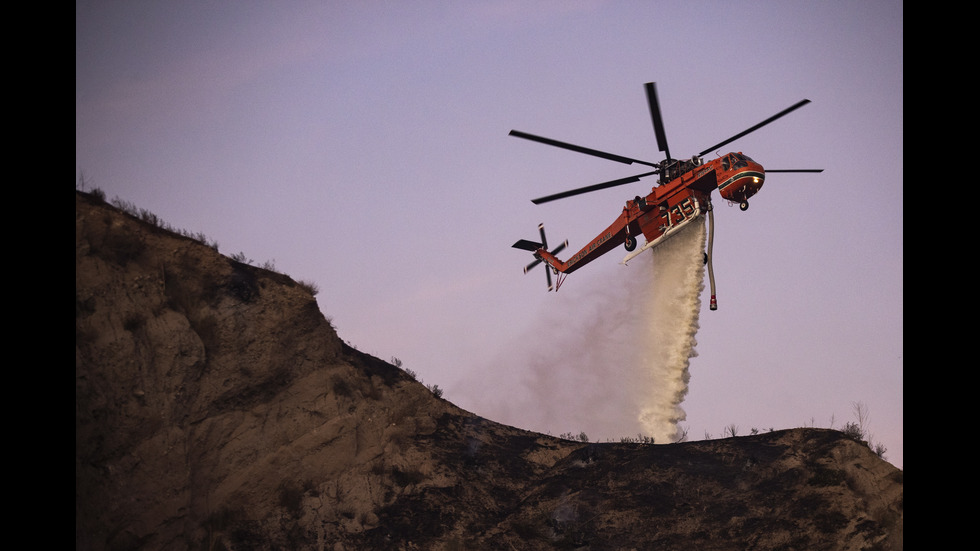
363 146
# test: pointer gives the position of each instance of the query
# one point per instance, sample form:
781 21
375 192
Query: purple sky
363 146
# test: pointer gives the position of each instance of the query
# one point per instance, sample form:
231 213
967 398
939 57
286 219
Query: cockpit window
739 160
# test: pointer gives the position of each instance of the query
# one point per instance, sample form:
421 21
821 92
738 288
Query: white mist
669 327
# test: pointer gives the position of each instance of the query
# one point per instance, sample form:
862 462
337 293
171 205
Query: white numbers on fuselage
684 209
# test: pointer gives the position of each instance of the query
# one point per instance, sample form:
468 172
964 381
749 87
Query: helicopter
682 195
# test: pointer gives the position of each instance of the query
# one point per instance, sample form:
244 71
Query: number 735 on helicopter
681 195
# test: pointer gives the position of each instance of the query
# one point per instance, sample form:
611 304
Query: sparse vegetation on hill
216 408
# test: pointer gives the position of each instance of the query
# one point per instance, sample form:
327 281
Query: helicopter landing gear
630 243
744 205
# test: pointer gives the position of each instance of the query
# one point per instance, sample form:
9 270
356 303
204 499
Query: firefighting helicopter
682 195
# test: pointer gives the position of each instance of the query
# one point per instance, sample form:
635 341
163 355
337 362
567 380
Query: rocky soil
216 408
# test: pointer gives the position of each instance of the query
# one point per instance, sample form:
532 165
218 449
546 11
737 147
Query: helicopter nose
746 184
753 183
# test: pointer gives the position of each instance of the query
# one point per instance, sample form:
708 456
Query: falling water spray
673 305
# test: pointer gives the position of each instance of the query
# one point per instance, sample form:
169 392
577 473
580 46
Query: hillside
217 408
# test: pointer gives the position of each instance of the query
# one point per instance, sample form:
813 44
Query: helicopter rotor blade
794 170
531 265
658 122
782 113
594 187
580 149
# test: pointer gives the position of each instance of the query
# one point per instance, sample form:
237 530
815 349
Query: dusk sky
364 146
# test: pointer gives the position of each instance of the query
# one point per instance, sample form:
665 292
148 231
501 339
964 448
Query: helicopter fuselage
682 198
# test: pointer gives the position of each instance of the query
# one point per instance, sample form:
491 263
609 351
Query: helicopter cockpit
735 160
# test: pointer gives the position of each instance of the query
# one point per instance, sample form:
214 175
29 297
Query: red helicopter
682 194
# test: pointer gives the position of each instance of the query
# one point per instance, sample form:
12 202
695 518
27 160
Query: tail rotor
535 247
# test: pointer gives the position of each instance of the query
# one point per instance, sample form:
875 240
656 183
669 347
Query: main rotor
663 168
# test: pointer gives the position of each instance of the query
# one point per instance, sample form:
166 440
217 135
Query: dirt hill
217 409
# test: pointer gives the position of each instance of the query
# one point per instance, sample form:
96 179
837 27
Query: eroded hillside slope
216 408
